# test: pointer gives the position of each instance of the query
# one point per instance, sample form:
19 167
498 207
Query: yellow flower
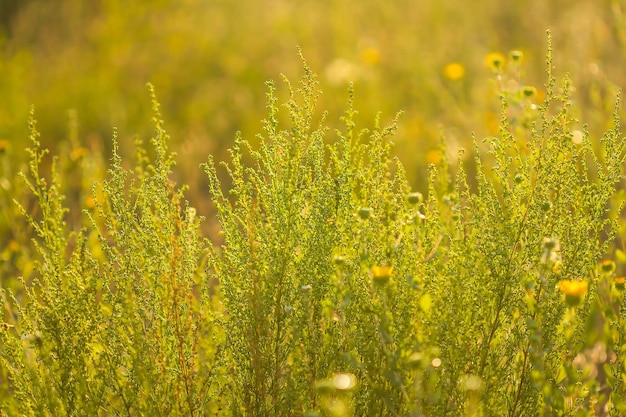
608 266
433 157
4 146
78 153
454 71
495 61
90 202
572 287
529 91
371 56
619 282
573 290
381 274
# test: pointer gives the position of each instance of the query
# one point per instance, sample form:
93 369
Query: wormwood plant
118 318
340 290
346 293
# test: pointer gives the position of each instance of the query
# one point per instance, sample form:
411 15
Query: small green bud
529 91
518 179
339 260
415 198
517 56
365 213
546 206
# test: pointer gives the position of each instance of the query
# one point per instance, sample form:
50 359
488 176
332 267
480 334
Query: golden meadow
422 217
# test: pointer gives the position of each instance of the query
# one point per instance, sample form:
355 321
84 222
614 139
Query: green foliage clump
118 320
334 289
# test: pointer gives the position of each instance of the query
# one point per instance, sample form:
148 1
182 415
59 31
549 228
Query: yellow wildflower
381 274
371 56
608 266
433 157
572 287
90 202
454 71
78 153
495 61
573 290
529 91
619 282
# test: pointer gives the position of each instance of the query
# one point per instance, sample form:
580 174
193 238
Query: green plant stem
278 311
501 296
520 386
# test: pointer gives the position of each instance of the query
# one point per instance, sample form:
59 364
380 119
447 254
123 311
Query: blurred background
84 66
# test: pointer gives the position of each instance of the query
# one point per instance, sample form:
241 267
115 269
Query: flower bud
415 198
529 91
516 55
365 213
608 266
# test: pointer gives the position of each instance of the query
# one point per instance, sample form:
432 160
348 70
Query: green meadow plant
334 288
118 320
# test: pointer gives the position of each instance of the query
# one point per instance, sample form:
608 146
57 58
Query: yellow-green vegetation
332 287
207 58
463 258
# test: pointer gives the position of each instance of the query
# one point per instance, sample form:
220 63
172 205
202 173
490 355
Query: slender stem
278 312
502 294
518 394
